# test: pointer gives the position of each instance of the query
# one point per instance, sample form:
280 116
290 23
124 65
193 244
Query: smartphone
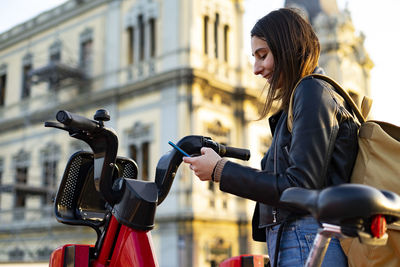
179 149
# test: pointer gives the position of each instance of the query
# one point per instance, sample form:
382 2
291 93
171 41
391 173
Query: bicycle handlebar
104 143
169 162
227 151
77 121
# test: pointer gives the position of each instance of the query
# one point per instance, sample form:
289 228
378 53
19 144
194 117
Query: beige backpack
378 165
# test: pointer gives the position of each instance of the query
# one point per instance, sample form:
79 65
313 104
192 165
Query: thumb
204 150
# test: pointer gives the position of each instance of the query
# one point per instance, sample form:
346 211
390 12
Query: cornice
93 98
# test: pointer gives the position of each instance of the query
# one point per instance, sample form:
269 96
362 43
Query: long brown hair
295 48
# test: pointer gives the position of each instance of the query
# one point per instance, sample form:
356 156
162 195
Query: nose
257 68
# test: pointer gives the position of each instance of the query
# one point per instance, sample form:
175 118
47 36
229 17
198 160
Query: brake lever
57 125
73 132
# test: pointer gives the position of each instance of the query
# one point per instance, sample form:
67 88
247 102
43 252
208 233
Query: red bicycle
99 189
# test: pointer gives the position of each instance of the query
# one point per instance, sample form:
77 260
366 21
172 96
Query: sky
378 20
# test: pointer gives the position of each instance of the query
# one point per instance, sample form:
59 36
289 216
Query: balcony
55 72
27 219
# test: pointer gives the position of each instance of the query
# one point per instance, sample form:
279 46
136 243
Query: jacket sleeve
313 135
315 127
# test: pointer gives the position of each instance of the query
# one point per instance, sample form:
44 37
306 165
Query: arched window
205 34
139 139
226 47
216 26
27 65
86 50
21 163
3 83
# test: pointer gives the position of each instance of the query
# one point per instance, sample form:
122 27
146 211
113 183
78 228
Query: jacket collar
273 121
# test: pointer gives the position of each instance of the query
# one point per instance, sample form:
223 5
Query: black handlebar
77 121
169 163
102 140
104 143
237 153
227 151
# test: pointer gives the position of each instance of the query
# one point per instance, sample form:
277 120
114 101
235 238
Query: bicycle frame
321 243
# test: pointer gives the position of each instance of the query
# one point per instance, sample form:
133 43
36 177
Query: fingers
203 165
187 160
205 150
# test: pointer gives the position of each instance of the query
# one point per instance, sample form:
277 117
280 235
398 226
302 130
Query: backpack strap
361 115
366 104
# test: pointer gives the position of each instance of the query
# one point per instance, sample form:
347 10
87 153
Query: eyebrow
261 48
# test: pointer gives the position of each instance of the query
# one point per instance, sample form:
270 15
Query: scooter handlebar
77 121
228 151
234 152
168 164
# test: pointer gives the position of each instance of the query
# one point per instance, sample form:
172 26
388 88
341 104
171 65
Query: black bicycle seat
338 204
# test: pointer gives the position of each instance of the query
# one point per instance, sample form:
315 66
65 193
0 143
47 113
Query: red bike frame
122 246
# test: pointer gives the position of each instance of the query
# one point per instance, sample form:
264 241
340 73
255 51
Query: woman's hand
203 165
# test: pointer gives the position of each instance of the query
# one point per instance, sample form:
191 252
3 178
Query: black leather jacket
319 152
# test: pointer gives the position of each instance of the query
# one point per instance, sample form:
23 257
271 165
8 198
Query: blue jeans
296 242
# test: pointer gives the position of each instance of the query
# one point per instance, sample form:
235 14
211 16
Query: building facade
164 69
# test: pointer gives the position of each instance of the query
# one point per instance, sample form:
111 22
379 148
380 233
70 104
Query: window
21 174
211 186
44 253
152 24
21 164
49 158
145 161
26 81
216 24
26 84
16 254
205 34
133 152
139 141
226 32
140 154
86 55
49 173
1 175
3 81
21 178
86 50
141 38
55 57
131 45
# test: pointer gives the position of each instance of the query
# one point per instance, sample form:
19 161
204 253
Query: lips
268 77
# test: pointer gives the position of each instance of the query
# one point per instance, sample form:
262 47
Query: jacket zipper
274 211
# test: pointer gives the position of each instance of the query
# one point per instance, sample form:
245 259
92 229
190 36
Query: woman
319 151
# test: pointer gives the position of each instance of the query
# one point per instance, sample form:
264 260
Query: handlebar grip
234 152
76 121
